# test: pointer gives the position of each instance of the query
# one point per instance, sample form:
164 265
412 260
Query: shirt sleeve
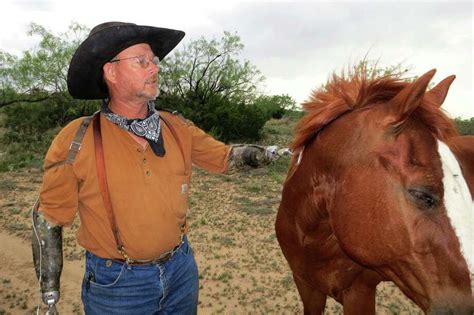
59 190
207 152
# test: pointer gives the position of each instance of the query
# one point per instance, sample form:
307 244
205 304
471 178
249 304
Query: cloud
296 45
35 5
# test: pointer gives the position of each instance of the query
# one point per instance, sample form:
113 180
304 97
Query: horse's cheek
363 232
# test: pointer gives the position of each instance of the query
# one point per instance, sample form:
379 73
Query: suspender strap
101 175
77 141
173 132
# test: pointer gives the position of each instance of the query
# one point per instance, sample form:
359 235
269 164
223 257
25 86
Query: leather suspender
100 165
75 143
173 132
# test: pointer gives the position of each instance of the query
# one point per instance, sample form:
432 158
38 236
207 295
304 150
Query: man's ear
109 72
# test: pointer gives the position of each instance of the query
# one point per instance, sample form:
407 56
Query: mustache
152 79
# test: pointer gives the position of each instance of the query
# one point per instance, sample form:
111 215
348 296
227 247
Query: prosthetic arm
245 156
47 257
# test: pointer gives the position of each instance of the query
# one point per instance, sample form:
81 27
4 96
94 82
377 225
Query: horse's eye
424 198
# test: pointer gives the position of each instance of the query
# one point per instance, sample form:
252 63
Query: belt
158 260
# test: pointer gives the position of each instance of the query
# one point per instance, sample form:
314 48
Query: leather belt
158 260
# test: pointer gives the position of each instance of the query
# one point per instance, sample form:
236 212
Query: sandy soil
242 270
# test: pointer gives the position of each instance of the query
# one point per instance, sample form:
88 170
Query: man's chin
156 91
150 96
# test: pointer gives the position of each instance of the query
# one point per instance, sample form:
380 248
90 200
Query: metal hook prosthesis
50 299
285 152
52 310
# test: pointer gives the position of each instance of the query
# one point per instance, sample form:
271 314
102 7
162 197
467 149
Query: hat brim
85 74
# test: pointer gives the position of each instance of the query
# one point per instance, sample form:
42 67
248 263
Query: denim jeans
112 287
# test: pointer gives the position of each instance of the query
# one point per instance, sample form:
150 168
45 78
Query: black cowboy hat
105 41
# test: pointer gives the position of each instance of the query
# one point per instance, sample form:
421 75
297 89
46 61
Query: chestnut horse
380 188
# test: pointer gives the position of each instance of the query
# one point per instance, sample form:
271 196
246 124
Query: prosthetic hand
252 156
273 153
48 258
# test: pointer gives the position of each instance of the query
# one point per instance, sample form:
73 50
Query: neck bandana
148 128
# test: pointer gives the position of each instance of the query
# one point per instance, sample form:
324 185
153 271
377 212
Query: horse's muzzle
447 310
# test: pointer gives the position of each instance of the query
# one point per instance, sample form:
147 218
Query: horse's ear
407 100
437 95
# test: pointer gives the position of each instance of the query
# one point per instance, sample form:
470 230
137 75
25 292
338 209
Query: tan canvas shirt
149 194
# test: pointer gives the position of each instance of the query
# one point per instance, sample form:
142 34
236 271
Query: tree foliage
207 82
206 68
373 70
465 126
275 106
41 73
33 95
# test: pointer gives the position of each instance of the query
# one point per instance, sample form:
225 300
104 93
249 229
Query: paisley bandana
148 128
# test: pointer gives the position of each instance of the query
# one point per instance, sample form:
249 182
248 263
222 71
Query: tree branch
24 100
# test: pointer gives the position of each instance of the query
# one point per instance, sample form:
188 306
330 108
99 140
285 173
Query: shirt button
139 150
144 161
148 173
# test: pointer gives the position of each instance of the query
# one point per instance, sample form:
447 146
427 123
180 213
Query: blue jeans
112 287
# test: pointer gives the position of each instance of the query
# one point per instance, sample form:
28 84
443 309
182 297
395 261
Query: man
127 175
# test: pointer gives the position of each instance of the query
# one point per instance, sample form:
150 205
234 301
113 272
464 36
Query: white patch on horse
459 205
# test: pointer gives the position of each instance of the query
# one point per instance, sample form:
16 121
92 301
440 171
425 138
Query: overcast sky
296 45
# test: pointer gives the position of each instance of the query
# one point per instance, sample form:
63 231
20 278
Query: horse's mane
359 89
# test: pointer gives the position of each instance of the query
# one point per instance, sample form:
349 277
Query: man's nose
153 69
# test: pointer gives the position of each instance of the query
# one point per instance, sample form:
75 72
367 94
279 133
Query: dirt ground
242 270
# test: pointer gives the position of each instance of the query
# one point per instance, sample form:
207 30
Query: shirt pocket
178 192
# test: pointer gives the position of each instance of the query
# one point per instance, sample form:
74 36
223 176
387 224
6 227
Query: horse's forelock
356 90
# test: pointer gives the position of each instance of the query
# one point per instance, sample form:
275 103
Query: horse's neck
311 208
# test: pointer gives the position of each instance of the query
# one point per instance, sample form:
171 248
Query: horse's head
401 204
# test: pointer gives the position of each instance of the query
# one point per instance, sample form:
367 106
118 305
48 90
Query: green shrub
220 117
275 106
236 123
465 126
30 127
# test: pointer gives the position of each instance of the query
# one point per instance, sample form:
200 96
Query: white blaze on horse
380 188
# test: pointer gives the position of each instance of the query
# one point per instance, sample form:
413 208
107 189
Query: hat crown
103 26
